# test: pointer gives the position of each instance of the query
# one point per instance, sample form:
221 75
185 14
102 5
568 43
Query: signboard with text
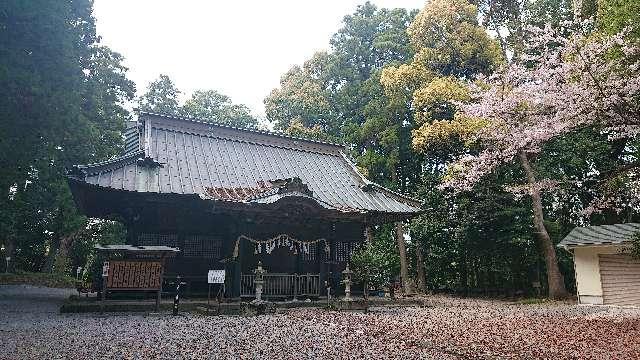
134 275
105 269
215 277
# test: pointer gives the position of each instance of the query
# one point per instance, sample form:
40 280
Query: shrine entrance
293 266
294 286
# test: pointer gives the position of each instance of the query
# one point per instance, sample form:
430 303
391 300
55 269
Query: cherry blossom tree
563 83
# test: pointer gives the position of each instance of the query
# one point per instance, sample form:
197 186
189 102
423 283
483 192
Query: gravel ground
449 328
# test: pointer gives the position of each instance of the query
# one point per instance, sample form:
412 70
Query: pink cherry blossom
562 84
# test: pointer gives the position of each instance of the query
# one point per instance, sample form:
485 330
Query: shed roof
600 235
172 155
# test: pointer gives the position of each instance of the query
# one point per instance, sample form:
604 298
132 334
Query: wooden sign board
134 275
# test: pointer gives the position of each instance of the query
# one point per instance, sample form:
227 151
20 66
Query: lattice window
312 253
146 239
344 250
204 246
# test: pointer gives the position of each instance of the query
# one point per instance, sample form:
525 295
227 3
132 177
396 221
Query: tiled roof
600 235
221 163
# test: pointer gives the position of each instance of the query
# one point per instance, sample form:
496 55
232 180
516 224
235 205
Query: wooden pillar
159 295
237 272
322 259
234 233
420 271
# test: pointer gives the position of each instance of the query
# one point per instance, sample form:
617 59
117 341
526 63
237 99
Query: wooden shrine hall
229 197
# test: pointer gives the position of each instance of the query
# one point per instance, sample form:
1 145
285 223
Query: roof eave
611 243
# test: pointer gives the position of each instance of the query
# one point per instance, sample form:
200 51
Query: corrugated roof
600 235
212 160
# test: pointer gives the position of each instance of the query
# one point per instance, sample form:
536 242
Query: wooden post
104 294
208 298
105 277
237 272
420 271
159 295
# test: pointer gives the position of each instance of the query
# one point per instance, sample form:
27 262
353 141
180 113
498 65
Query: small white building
605 273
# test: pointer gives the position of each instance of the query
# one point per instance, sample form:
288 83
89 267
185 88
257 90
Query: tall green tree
304 97
62 103
161 97
216 107
449 45
44 46
612 16
339 93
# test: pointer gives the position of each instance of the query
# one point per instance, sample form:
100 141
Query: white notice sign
215 277
105 269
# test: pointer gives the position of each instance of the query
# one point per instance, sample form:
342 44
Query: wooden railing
282 285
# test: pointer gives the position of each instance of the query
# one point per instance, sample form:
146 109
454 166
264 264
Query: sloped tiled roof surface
195 156
600 235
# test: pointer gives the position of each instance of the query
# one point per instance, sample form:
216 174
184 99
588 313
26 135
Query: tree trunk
368 235
555 280
51 256
61 261
404 270
421 281
9 248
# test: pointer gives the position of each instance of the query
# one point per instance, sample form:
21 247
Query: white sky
238 47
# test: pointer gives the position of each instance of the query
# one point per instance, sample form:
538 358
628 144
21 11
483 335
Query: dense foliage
162 97
62 103
405 124
371 267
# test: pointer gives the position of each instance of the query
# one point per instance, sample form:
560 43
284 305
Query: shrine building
229 197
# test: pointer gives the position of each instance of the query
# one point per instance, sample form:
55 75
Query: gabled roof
220 163
600 235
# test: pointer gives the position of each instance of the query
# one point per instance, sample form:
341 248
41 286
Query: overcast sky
238 47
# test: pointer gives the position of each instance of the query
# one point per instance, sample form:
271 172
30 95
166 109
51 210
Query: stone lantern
346 280
259 280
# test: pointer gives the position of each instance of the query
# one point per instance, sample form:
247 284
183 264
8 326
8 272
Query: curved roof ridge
114 160
255 131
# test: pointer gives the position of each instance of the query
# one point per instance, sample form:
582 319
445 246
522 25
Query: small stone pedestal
259 281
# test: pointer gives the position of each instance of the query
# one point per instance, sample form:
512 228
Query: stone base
259 307
590 299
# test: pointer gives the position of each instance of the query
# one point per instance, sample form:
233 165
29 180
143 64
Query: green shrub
38 279
371 266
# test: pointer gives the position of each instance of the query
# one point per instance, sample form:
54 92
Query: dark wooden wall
207 241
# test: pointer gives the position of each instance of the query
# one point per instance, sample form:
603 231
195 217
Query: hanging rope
279 241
